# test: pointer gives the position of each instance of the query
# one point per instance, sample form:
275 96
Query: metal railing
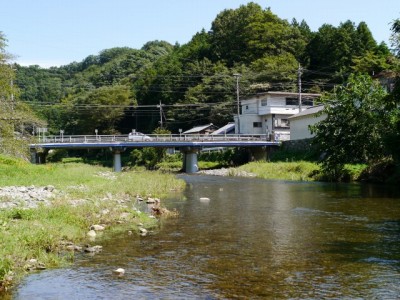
150 138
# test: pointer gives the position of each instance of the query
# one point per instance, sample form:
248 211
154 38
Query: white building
269 113
299 124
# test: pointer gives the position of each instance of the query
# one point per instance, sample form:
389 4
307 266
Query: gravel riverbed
26 196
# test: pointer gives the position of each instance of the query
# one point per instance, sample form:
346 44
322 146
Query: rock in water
119 271
204 199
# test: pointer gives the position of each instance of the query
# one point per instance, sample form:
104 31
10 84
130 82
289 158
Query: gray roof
198 128
309 111
225 129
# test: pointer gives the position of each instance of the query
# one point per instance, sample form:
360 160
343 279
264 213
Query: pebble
142 230
93 249
91 233
97 227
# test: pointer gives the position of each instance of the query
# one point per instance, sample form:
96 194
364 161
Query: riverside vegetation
36 238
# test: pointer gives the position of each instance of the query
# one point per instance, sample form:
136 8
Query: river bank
298 171
47 211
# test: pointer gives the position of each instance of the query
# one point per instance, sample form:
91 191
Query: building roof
289 94
309 111
198 129
259 96
225 129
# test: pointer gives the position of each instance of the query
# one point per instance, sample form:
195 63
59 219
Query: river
253 239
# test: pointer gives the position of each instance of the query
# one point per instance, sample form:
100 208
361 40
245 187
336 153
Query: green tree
250 33
279 72
100 109
16 119
370 63
393 136
357 118
395 37
333 49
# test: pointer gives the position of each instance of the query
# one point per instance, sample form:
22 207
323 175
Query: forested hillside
180 86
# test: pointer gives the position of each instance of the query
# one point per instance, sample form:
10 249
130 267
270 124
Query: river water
253 239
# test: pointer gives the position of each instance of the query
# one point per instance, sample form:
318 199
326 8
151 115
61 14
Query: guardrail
149 138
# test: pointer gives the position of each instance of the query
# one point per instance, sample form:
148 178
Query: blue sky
58 32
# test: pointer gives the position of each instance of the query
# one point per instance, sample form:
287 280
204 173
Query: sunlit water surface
254 239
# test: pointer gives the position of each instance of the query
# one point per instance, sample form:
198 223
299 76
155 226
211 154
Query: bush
148 157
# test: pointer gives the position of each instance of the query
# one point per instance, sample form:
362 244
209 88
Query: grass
38 233
301 170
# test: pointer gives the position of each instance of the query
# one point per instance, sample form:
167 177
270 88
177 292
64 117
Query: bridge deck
160 141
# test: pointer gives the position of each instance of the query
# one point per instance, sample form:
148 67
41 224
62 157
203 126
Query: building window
281 123
257 124
292 101
295 101
264 102
307 101
247 107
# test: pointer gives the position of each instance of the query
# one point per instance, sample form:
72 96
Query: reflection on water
253 239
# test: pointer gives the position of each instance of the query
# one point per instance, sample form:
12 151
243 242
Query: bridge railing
150 138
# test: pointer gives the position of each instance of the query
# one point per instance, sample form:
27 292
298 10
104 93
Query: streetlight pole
238 100
299 72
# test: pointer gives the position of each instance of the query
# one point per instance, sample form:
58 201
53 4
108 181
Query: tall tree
16 119
395 37
250 33
357 118
332 49
99 109
393 136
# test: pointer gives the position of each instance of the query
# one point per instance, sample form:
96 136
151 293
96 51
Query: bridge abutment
38 156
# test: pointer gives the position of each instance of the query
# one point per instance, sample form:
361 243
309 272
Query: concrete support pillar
117 165
190 160
117 161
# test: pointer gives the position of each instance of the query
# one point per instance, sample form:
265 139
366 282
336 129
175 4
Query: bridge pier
117 165
189 164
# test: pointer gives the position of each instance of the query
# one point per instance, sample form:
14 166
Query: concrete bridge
189 145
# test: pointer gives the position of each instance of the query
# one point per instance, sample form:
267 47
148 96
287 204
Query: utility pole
238 100
12 94
161 114
299 72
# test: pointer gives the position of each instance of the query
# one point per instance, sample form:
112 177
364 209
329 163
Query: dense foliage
362 123
356 121
181 86
16 118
